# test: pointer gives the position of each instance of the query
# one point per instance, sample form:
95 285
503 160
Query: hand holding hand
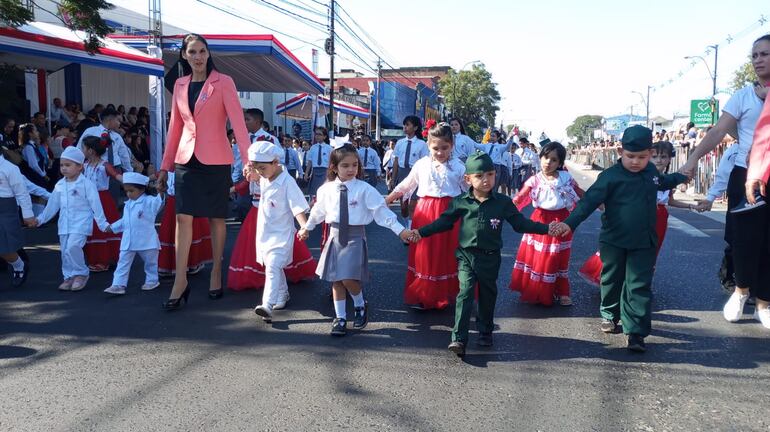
392 197
751 186
162 184
303 234
30 222
558 229
703 205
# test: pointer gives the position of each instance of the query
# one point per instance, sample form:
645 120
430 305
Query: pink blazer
759 158
204 132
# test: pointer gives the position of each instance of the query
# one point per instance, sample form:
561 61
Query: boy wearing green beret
627 241
481 213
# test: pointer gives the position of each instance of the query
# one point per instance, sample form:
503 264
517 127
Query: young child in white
76 200
281 201
139 234
14 194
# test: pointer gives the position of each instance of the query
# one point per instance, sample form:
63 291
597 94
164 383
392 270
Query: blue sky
552 60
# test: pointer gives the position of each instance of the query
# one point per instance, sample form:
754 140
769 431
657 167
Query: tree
742 76
471 95
582 129
80 15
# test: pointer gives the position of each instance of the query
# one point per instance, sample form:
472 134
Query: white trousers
150 258
276 289
73 261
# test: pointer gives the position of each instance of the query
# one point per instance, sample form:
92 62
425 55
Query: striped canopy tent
301 107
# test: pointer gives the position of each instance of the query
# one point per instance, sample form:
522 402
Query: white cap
74 154
135 178
338 142
264 151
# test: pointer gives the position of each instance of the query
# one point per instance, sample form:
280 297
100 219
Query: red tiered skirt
103 249
200 248
244 272
592 268
431 277
542 263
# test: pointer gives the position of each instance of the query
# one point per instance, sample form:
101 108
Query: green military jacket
482 222
630 201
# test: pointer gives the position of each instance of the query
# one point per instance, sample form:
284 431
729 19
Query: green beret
479 162
544 142
637 138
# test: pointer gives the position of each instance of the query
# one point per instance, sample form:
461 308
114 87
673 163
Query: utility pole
379 74
714 86
648 108
330 51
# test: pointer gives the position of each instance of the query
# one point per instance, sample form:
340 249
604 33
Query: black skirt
202 190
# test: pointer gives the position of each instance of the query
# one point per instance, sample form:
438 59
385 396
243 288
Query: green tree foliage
80 15
742 76
471 96
582 129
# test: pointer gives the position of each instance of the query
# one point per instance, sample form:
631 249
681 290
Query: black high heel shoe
216 294
174 304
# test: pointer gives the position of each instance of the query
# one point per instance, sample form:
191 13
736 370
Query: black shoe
339 327
20 277
458 348
636 343
361 316
608 326
216 294
174 304
484 340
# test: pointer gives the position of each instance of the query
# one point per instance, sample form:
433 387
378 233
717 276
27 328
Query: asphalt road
85 361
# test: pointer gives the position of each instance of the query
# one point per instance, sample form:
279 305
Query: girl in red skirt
102 248
200 248
244 272
542 263
431 277
662 153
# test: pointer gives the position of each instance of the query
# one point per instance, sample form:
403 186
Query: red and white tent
301 106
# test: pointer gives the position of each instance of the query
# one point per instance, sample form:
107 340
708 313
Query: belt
478 251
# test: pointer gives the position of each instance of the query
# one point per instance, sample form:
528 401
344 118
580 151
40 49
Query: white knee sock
339 309
18 265
358 299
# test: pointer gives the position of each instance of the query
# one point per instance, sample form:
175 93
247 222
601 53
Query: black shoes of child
458 348
339 327
608 326
636 343
216 294
19 277
361 316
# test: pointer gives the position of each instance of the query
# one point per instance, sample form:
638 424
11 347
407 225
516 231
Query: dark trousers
626 287
736 191
476 266
370 176
751 251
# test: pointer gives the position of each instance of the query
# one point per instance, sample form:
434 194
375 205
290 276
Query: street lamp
454 86
646 102
713 77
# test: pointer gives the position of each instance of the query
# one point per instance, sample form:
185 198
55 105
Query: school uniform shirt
552 194
99 174
290 159
528 157
31 155
262 135
495 151
365 205
302 158
507 162
280 200
516 159
34 190
121 156
138 224
722 176
464 146
370 159
77 203
418 150
431 178
745 106
387 160
236 172
14 185
313 158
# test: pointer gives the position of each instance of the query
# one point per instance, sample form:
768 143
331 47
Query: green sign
703 113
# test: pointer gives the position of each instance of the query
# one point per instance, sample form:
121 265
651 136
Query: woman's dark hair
765 38
25 133
184 64
98 144
337 156
415 121
324 131
441 131
499 136
132 110
462 127
561 152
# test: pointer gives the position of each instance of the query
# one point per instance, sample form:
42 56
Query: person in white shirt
515 168
407 152
343 260
463 144
255 124
14 194
370 160
281 202
529 160
290 159
76 200
58 116
139 234
496 148
387 162
317 160
118 155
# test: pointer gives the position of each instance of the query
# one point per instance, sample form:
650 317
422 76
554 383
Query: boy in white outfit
139 234
76 200
281 201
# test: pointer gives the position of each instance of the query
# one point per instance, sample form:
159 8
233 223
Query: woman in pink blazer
199 153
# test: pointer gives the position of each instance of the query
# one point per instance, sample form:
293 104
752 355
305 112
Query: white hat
74 154
135 178
338 142
264 151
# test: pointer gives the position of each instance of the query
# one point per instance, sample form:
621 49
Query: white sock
339 309
358 299
18 265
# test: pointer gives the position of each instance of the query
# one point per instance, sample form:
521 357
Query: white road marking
688 229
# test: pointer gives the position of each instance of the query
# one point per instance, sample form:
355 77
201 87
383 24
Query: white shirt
553 194
387 158
312 155
98 175
77 203
370 159
516 160
463 146
138 224
281 199
36 190
417 151
365 205
663 197
722 176
13 184
745 106
121 154
528 157
262 135
495 151
433 179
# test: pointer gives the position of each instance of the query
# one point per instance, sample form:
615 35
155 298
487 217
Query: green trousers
627 287
475 266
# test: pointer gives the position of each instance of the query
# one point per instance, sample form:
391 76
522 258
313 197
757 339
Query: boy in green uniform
482 213
628 241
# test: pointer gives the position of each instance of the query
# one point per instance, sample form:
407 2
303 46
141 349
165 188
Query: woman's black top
193 92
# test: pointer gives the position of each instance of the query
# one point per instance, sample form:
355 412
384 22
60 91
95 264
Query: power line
385 53
301 18
305 7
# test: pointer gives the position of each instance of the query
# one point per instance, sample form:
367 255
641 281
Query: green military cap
637 138
479 162
544 142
